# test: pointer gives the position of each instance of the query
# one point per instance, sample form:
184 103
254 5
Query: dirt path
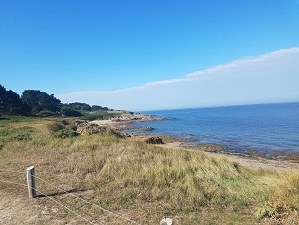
14 209
18 210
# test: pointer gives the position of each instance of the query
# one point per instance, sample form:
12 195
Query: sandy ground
14 209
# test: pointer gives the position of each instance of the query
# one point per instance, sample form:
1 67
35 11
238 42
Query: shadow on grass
4 118
61 193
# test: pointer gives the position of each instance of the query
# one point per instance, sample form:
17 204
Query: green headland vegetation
41 104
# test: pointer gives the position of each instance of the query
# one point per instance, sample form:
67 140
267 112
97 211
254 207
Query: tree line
35 102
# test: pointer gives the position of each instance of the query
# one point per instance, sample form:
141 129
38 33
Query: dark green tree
41 101
96 108
11 103
68 111
80 106
2 98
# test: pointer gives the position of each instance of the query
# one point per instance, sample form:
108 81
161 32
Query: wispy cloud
272 77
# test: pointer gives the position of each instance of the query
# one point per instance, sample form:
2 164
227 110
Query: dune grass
147 183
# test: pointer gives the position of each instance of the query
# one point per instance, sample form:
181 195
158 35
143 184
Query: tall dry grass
148 182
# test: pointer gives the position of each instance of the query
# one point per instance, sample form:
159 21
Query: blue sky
110 47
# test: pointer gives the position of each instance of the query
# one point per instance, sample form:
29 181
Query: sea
263 128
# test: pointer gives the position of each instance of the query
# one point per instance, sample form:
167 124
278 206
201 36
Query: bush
56 126
46 113
91 117
99 115
68 111
16 134
65 133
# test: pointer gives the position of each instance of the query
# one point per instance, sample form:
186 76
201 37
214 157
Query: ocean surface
263 128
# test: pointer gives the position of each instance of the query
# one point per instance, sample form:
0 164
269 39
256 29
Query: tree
41 101
41 104
68 111
2 98
97 107
11 103
80 106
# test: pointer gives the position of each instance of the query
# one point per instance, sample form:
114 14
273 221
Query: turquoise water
263 128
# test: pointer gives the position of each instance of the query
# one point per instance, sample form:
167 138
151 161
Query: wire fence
68 208
90 221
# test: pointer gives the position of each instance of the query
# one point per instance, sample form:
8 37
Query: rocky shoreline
122 123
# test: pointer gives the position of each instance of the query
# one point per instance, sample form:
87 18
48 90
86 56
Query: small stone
166 221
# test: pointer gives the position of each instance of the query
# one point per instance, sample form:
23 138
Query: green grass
21 134
146 183
7 120
65 133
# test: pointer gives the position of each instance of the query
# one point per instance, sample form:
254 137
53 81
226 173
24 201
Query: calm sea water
264 128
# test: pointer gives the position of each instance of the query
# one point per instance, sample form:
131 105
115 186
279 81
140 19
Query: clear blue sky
73 46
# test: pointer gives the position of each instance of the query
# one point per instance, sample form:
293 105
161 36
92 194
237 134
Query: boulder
154 140
146 129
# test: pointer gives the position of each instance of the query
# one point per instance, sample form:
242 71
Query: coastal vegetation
140 181
42 104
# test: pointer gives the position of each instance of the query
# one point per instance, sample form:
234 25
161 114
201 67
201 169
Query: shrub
99 115
68 111
56 126
65 133
91 117
16 134
46 113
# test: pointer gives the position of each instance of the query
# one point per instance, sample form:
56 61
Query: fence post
31 182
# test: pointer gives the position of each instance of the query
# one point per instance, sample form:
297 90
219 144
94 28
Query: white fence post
31 182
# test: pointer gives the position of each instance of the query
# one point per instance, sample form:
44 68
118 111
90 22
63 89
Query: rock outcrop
154 140
85 129
146 129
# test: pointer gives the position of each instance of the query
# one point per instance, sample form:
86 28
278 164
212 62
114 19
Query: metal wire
72 211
